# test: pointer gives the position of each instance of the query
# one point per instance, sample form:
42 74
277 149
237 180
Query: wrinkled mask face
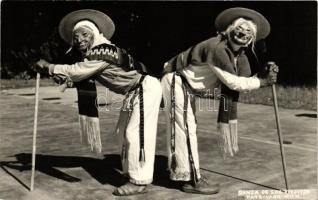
83 39
242 35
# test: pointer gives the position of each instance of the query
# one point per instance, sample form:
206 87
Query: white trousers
181 170
128 131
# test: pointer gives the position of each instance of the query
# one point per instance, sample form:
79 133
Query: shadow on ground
48 164
310 115
105 171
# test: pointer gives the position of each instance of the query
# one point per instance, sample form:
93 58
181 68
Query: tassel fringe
90 132
173 162
234 137
228 139
142 158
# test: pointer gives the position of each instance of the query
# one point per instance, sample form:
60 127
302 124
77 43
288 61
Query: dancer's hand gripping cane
42 66
269 75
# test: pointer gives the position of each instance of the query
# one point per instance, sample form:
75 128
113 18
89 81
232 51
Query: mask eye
75 37
246 29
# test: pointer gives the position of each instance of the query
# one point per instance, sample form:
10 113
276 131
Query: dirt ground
66 170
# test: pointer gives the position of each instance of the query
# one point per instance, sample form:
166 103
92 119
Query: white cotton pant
128 131
182 170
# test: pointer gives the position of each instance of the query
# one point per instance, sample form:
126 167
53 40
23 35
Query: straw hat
101 20
225 18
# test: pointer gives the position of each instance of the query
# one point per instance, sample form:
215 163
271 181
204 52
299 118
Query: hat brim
104 23
225 18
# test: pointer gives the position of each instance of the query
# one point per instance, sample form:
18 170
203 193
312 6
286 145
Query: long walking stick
35 125
280 137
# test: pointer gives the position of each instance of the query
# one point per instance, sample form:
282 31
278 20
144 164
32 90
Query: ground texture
67 170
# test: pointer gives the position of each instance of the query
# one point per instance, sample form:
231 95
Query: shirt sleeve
237 83
80 70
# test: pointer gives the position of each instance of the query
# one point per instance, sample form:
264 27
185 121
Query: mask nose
79 39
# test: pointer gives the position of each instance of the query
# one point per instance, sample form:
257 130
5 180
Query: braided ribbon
142 158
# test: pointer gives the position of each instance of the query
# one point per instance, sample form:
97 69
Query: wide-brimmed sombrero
104 23
225 18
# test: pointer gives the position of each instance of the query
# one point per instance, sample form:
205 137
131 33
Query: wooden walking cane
35 125
280 137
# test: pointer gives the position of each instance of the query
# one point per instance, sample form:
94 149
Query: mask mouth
241 38
82 44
